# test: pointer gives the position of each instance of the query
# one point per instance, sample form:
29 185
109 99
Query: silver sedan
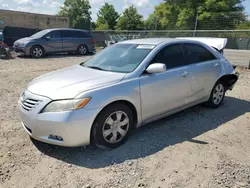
123 87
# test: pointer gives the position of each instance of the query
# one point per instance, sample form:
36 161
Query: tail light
92 41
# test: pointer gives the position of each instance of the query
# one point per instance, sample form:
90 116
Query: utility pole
195 26
156 20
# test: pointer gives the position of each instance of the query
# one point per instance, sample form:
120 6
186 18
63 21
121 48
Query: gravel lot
197 148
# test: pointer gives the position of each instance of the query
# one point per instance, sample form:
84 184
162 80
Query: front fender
126 90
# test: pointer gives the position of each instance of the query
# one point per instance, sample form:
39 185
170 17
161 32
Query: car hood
69 82
22 40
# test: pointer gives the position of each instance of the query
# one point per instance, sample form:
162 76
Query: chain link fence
237 39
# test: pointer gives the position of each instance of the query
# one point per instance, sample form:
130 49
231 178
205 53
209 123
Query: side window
67 34
80 34
196 53
171 55
55 35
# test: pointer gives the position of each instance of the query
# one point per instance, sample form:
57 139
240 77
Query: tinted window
74 34
67 34
196 53
172 56
55 35
81 34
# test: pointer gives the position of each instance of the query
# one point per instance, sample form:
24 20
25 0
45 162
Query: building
31 20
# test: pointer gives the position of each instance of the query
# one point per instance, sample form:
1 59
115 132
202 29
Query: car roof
68 29
150 41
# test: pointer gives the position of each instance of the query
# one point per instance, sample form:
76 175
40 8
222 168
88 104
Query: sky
145 7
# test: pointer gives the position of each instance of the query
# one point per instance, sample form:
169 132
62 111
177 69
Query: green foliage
93 25
130 20
78 12
152 23
102 27
107 15
245 25
212 14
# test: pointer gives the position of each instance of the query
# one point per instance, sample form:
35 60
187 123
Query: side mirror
156 68
47 37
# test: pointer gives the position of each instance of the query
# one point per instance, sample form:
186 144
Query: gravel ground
199 147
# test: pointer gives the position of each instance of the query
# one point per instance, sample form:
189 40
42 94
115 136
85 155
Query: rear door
205 69
52 42
70 42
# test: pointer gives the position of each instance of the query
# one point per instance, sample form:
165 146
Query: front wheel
37 52
112 126
217 95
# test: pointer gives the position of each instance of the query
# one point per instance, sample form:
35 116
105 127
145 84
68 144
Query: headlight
66 105
23 44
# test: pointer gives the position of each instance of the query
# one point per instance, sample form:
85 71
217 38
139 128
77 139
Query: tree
78 12
93 25
107 15
244 25
102 27
130 20
210 14
166 16
152 23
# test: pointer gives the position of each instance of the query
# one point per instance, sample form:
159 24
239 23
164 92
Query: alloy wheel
218 94
82 50
37 52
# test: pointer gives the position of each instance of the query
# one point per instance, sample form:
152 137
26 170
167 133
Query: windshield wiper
97 68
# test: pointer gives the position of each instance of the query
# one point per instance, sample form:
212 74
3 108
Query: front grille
29 104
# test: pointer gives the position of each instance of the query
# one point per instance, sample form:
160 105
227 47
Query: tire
82 49
217 95
107 131
37 52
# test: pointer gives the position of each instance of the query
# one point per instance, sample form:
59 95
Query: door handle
185 74
216 64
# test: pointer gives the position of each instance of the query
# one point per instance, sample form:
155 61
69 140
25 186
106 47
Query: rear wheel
37 52
82 49
112 126
217 95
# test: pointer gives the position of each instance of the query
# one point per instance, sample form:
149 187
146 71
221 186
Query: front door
53 42
167 91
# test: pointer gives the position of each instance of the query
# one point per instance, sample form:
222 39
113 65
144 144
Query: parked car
102 100
56 41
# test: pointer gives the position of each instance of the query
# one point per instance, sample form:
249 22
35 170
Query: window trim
200 45
167 46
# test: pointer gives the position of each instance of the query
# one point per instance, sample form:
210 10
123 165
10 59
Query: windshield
119 58
40 34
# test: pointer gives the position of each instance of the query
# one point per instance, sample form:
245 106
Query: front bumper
73 127
22 50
